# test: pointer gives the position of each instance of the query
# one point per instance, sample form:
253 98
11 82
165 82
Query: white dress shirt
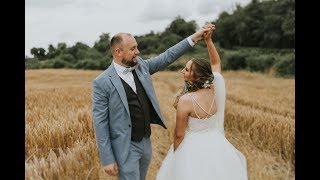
190 41
128 77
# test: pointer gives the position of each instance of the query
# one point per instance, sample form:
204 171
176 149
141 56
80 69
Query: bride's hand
207 35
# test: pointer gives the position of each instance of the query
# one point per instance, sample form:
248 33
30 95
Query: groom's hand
111 169
197 36
207 35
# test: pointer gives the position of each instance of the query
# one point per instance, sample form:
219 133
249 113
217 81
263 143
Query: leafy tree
34 52
103 44
268 24
52 52
39 53
225 32
62 47
169 39
148 43
181 28
68 58
78 50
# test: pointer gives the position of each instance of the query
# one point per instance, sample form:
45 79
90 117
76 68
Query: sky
71 21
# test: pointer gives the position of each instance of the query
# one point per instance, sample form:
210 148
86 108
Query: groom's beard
132 62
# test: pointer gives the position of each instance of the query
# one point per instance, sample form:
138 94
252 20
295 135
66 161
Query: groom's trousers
137 163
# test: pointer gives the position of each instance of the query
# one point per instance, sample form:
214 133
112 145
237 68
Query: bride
200 149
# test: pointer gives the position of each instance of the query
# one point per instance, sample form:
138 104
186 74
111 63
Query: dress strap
210 106
195 101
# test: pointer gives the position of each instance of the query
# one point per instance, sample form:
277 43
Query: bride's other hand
207 35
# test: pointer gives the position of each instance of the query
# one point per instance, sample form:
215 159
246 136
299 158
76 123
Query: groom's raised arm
173 53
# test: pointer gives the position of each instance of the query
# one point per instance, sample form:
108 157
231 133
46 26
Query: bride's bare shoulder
185 100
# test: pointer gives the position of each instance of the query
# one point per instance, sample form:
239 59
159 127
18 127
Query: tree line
265 29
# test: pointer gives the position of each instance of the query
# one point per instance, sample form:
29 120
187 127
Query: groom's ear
117 52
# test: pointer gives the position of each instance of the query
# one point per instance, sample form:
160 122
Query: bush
68 58
55 64
89 64
285 67
261 63
234 61
32 64
104 62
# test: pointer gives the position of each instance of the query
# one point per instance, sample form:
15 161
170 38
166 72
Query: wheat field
59 137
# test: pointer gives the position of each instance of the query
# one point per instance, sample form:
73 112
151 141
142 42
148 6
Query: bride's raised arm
213 53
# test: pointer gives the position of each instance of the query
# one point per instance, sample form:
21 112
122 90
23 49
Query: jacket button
129 125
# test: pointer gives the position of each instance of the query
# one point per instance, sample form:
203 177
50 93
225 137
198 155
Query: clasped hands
204 33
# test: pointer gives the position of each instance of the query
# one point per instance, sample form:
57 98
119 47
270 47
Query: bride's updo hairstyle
202 78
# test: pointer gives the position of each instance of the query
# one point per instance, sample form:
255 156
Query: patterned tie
129 69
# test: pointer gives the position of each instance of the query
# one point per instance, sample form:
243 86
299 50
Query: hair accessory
206 84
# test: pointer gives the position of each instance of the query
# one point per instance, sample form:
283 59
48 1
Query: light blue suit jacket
112 122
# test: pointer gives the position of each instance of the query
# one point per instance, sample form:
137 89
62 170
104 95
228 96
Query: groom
124 104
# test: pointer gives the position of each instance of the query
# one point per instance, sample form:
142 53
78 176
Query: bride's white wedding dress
205 153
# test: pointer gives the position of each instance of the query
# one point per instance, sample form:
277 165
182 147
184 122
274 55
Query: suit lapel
115 79
142 78
147 85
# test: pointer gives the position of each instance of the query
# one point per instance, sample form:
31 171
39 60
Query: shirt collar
118 67
121 69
